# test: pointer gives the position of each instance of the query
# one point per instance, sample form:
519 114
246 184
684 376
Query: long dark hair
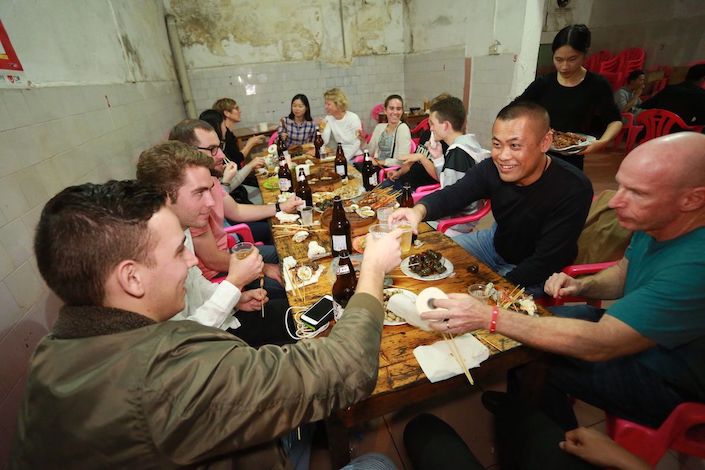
576 36
304 100
215 119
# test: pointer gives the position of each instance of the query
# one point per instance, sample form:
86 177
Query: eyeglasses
213 149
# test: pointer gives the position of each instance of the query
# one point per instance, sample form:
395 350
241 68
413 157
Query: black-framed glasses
213 149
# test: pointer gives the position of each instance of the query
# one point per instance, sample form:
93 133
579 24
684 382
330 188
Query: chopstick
261 286
456 353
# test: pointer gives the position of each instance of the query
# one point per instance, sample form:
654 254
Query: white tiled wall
51 138
491 85
428 74
367 81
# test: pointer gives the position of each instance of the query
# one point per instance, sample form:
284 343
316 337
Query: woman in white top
340 126
393 138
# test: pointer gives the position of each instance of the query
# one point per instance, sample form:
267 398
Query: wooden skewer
261 286
456 352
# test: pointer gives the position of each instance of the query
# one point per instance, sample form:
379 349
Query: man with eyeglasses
210 242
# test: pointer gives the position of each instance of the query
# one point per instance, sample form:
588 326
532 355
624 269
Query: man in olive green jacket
115 385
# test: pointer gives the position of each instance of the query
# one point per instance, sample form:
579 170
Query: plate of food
570 142
392 317
427 266
271 183
358 243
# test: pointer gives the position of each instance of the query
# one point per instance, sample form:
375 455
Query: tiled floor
464 411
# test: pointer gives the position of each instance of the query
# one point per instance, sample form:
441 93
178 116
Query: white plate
572 149
390 291
434 277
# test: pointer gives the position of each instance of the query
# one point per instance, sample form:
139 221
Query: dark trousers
622 386
525 439
257 331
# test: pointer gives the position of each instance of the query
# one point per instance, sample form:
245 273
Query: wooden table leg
338 441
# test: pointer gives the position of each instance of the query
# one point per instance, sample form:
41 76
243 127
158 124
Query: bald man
646 353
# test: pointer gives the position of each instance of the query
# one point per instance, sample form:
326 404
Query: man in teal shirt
646 353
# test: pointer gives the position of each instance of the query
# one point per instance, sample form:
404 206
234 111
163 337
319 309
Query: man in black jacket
686 99
539 203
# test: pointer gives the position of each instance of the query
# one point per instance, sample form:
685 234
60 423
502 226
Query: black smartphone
319 313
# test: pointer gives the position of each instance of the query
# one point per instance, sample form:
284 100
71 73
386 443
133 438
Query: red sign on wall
11 71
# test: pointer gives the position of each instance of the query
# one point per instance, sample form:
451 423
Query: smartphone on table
319 314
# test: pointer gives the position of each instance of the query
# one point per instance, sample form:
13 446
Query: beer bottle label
284 185
342 269
340 169
339 243
373 179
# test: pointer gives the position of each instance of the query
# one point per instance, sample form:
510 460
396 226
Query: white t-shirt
344 131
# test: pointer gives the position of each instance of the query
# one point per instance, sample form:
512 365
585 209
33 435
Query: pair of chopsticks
261 286
300 294
513 296
455 352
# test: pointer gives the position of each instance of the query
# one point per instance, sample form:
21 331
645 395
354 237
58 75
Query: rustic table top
399 370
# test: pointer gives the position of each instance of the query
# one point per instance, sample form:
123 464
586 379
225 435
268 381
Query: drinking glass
383 213
379 230
242 250
307 215
405 236
479 291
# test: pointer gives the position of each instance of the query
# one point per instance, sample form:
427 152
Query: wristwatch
277 207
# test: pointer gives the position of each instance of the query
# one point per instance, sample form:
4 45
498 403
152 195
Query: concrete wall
102 90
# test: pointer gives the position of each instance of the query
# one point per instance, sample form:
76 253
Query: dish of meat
427 266
570 142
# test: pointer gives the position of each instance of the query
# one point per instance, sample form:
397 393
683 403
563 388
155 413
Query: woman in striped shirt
298 127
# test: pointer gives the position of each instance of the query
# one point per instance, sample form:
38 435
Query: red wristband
493 320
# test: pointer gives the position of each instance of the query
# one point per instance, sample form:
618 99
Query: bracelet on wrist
493 319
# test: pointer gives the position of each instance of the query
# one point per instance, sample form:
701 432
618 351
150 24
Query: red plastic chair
630 130
445 224
575 270
683 431
420 127
422 191
658 122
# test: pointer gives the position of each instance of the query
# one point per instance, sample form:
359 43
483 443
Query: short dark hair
185 131
162 166
634 74
577 36
518 108
214 118
695 73
87 230
451 110
304 100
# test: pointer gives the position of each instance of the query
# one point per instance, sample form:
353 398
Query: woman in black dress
577 100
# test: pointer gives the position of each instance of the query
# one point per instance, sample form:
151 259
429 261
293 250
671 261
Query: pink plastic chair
683 431
273 138
383 172
445 224
244 232
575 270
422 191
376 111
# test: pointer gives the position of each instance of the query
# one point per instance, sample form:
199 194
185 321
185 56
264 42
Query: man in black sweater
539 203
686 99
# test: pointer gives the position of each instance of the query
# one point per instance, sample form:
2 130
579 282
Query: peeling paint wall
233 32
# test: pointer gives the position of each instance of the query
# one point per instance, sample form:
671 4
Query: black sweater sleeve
456 197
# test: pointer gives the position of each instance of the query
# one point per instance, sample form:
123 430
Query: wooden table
400 381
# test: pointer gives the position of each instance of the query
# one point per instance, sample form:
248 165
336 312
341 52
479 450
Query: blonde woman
340 126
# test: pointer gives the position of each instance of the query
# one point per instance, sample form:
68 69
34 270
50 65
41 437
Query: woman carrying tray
576 99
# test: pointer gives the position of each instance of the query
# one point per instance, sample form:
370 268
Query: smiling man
539 204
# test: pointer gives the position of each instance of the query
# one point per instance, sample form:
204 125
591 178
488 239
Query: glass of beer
405 236
242 250
383 213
